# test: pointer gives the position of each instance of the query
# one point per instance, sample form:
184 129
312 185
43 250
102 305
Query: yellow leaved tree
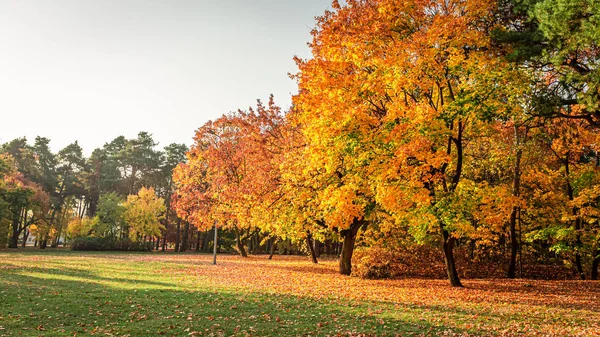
143 213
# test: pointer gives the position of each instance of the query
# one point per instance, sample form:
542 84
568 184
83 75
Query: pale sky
91 70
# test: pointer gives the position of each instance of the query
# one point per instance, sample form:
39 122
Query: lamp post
215 245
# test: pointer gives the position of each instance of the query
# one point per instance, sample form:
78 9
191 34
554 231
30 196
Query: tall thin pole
215 245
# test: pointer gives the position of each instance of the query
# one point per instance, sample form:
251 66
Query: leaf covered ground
63 293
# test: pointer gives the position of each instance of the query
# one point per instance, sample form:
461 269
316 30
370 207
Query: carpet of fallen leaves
284 296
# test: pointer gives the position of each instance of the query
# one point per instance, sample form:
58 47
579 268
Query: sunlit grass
63 293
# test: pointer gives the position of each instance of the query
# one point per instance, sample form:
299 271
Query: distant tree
22 202
109 215
101 176
70 165
173 155
47 176
143 212
79 227
23 156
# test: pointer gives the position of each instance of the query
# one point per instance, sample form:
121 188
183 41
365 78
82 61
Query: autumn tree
174 154
393 92
22 202
573 171
80 227
231 175
143 212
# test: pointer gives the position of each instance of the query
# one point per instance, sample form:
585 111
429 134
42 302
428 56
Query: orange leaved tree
387 103
231 175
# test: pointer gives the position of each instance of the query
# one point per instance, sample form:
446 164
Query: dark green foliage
107 244
110 217
557 39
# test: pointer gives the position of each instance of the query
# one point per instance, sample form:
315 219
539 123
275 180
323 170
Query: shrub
106 244
372 263
90 243
133 246
427 261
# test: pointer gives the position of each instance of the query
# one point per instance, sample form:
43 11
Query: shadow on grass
34 305
569 295
64 273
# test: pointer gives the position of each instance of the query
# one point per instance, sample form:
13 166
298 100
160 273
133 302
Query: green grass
63 293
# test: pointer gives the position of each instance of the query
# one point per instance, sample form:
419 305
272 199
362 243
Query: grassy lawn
64 293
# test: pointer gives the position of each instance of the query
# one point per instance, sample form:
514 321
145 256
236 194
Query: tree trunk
184 237
595 264
347 250
63 219
578 244
327 247
273 242
14 238
514 244
250 242
578 264
206 240
575 212
311 248
240 244
44 242
93 205
25 237
178 235
520 245
447 239
317 247
167 206
198 241
61 200
57 239
256 243
215 244
448 246
19 216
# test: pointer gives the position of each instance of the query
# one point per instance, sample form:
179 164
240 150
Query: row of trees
139 217
455 122
122 190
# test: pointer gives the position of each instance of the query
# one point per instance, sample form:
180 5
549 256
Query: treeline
454 133
121 190
470 126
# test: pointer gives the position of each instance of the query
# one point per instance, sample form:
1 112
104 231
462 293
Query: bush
90 243
133 246
105 244
427 261
378 262
372 263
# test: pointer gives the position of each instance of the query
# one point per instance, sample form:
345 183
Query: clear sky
91 70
